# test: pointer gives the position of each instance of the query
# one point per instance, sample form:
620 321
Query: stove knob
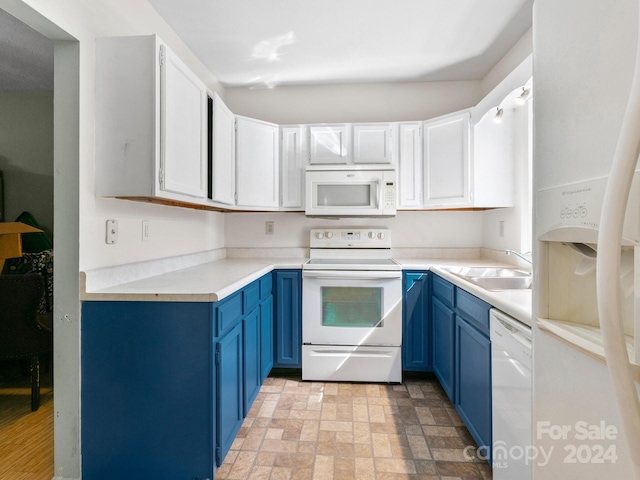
381 235
329 234
319 235
372 234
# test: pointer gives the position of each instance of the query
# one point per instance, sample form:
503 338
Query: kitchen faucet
521 255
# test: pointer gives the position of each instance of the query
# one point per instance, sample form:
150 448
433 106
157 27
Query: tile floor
321 431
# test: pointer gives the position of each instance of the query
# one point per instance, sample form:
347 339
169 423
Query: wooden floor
26 437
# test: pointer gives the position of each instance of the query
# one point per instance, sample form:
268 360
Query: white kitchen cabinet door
410 165
223 161
447 161
183 120
257 159
294 154
329 144
151 122
372 143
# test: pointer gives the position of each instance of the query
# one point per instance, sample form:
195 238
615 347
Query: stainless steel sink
494 278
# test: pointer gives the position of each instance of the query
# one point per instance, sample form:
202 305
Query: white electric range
351 307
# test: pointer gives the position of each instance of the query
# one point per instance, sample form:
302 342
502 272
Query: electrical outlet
501 228
268 228
146 230
111 232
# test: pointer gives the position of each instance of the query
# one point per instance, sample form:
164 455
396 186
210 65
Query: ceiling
264 43
26 57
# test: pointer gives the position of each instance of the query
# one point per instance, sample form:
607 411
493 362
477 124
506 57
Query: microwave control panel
390 195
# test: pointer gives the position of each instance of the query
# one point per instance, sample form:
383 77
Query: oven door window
352 307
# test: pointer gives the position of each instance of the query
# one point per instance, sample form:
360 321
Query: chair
21 336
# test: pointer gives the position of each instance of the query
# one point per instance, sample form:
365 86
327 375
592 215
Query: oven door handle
352 275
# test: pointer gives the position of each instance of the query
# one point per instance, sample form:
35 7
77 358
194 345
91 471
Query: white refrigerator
586 423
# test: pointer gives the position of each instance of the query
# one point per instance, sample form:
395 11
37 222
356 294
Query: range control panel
350 238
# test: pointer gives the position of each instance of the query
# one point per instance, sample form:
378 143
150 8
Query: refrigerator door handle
608 267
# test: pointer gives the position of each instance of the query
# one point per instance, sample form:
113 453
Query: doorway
63 165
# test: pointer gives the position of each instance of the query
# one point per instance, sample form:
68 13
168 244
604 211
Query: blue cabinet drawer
444 291
474 310
228 313
266 285
251 296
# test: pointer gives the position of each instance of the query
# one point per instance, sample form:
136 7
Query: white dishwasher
511 397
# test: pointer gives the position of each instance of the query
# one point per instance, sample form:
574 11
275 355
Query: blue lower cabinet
266 338
288 318
251 363
443 321
473 381
229 397
167 384
462 355
147 407
416 354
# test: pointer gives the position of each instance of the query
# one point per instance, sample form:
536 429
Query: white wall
410 229
174 231
353 102
26 155
517 232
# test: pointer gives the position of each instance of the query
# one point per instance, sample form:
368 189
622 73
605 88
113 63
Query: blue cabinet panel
251 363
443 290
474 310
228 313
251 296
266 338
288 318
473 381
443 319
147 390
229 391
416 354
266 285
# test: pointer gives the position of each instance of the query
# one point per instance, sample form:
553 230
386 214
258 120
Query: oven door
351 307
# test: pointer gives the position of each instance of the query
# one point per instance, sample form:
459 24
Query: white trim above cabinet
257 164
151 122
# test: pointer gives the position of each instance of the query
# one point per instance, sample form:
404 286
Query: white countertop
214 280
207 282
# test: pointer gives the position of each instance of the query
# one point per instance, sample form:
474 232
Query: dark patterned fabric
41 263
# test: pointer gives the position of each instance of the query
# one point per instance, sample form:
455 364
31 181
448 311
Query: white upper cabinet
223 158
151 122
372 143
447 161
494 158
410 165
329 144
257 159
183 117
294 154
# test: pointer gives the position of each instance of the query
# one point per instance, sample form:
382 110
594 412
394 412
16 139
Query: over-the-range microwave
350 191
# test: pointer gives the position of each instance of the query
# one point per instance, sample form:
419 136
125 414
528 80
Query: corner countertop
206 282
212 281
